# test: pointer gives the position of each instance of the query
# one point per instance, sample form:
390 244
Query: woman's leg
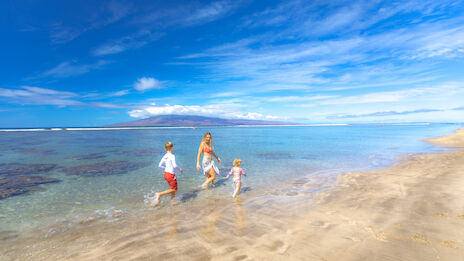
211 177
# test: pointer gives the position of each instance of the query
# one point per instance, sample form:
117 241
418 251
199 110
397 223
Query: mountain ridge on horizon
175 120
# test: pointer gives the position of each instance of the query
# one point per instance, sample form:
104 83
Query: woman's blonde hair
237 162
210 138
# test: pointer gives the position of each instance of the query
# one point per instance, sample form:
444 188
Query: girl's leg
237 189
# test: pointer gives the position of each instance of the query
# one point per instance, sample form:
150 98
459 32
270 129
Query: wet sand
413 210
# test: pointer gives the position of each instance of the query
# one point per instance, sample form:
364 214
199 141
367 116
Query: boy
168 163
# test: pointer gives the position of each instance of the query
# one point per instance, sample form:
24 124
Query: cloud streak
103 15
39 96
380 114
67 69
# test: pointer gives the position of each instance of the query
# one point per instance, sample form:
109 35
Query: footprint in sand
442 215
355 239
320 223
380 236
420 239
449 243
278 246
461 216
241 257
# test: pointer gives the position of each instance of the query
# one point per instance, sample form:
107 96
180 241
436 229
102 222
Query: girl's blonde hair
210 138
237 162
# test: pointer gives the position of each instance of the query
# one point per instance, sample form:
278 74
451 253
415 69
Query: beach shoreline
411 210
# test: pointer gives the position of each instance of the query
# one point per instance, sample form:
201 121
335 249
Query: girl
238 172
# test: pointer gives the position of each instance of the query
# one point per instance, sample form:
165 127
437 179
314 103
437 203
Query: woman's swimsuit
208 162
207 149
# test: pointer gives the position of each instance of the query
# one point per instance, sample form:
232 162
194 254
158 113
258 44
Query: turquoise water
121 165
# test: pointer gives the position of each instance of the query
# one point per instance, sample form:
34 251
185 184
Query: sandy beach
413 210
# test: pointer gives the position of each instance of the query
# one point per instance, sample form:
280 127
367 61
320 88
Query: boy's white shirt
168 163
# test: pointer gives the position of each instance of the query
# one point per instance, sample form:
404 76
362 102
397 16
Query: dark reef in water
16 169
146 152
141 152
35 151
90 156
13 186
104 168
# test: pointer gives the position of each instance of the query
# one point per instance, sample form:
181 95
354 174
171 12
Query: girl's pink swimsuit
237 174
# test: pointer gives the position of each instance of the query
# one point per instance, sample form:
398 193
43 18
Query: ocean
52 182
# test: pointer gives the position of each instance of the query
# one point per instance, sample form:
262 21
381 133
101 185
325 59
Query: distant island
192 121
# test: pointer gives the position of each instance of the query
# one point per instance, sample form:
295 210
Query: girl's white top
168 163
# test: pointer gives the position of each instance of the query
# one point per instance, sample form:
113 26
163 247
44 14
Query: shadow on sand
219 182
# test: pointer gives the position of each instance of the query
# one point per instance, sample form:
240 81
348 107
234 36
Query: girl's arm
200 149
242 172
230 173
214 154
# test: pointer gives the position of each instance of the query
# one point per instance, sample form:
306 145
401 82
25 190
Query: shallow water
108 177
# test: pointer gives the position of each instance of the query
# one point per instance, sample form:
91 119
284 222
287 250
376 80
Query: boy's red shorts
171 179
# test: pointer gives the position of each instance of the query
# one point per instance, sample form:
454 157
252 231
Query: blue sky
92 63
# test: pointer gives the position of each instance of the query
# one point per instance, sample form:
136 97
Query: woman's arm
200 149
214 154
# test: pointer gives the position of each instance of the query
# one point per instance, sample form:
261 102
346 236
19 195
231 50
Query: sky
94 63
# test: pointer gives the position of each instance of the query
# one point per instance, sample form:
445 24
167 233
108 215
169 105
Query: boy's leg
173 194
159 194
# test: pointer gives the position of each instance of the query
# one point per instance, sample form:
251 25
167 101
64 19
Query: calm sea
108 175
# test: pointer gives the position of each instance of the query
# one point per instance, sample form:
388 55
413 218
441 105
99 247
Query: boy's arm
162 164
175 165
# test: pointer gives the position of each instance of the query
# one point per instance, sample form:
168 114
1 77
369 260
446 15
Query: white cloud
208 110
147 83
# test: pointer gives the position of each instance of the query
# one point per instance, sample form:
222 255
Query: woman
209 169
